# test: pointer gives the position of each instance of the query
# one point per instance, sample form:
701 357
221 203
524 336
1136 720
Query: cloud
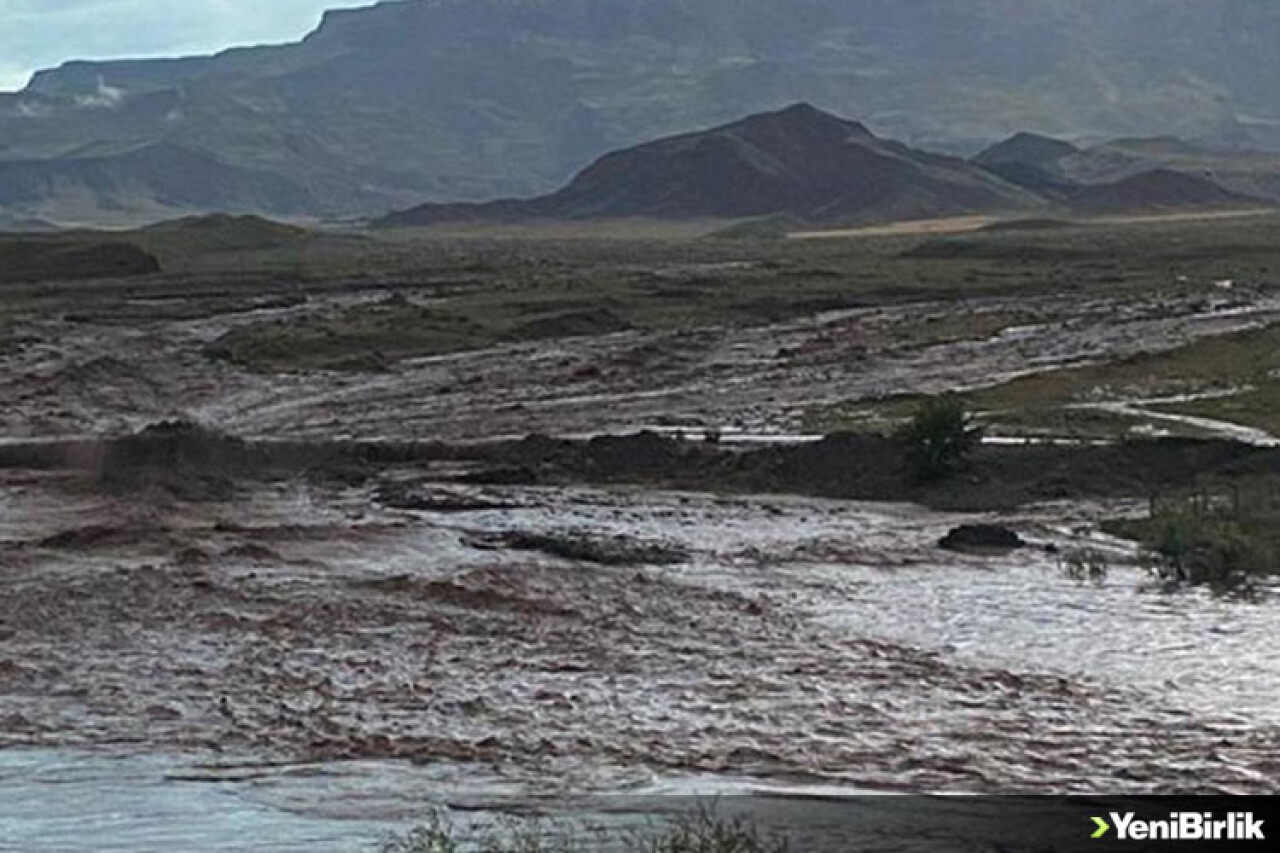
45 33
13 77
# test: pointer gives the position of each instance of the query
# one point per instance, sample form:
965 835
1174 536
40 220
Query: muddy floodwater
394 658
306 662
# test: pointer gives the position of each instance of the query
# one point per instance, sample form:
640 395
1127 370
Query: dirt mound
192 462
34 259
981 537
178 457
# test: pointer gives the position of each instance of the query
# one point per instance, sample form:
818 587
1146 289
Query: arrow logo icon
1103 828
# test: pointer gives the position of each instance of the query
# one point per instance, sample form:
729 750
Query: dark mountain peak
801 116
799 121
1026 149
798 162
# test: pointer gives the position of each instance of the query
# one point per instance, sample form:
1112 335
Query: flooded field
194 652
117 377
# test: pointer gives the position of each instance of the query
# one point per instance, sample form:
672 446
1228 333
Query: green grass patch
368 337
375 336
1207 365
1257 407
1224 539
1050 403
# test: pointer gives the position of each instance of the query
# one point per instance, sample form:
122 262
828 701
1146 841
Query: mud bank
870 468
194 463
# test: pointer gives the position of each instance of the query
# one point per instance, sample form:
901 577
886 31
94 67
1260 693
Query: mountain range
799 162
806 166
389 106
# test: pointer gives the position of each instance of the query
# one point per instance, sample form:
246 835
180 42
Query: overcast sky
38 34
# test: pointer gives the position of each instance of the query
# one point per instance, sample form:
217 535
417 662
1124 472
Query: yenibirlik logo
1182 826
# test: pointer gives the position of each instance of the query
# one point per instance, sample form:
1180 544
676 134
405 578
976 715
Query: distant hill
434 100
1058 169
1251 173
798 162
114 188
1157 191
801 165
1026 149
32 258
222 233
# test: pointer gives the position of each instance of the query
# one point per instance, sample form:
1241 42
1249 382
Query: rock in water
982 537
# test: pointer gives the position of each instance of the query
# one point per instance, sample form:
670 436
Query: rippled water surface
320 668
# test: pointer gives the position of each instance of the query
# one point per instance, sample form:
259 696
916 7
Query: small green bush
939 436
1188 548
1225 539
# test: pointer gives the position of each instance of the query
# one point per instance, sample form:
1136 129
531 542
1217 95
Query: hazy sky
43 33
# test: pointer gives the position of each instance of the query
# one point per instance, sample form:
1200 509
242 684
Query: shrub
1223 542
1085 564
939 436
1187 548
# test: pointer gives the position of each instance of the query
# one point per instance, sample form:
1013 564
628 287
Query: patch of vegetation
487 286
939 437
63 258
1256 406
1210 364
1223 541
1058 402
1085 565
698 833
368 337
1071 422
